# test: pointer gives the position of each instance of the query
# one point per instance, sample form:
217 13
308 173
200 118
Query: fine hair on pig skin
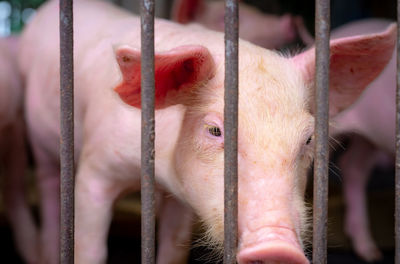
275 124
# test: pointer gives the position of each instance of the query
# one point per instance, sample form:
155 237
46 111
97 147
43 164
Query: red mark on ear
176 71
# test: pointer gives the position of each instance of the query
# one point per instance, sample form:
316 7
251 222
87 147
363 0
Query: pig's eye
215 131
309 140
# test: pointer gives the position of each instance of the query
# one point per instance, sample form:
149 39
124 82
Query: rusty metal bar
148 132
320 217
67 133
397 176
231 131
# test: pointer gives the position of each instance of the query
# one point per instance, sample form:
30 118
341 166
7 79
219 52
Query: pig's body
189 73
373 118
266 30
13 152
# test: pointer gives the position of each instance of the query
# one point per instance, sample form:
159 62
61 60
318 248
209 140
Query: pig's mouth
271 245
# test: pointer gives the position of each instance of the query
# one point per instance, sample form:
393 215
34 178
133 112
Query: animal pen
322 29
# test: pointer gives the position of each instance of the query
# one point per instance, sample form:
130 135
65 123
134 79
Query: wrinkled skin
265 30
373 118
275 124
13 152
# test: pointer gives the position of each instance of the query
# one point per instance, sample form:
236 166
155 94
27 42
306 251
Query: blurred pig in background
13 158
370 122
266 30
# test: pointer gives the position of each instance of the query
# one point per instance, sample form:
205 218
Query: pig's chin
212 237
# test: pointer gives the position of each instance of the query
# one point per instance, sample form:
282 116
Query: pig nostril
256 262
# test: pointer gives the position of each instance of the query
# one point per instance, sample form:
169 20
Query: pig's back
365 26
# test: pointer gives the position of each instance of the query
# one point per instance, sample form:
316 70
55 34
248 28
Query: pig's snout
272 252
278 246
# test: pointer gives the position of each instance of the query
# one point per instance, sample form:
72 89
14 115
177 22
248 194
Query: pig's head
266 30
275 136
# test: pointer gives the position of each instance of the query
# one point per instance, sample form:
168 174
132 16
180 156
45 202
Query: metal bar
67 133
231 131
320 217
148 132
397 176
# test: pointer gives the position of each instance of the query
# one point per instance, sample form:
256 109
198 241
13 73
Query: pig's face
274 151
274 136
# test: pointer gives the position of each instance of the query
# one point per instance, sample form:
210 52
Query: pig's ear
354 63
177 72
185 11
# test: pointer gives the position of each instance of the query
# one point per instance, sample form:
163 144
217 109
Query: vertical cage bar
67 133
320 217
397 176
148 132
231 131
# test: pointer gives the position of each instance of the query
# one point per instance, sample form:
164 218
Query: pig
266 30
371 125
13 157
275 124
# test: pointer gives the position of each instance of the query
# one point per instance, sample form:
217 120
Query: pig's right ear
177 73
354 63
185 11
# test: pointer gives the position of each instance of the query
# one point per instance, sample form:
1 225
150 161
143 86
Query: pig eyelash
309 140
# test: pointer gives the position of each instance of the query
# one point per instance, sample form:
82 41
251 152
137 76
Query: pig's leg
94 199
356 165
48 180
175 231
16 206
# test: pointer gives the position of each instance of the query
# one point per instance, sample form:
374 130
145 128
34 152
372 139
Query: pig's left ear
177 72
354 63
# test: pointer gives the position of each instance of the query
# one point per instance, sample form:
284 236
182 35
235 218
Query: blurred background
124 240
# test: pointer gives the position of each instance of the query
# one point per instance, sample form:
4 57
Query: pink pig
275 124
373 118
266 30
13 151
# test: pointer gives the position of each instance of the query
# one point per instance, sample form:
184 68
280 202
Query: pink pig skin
13 152
266 30
275 123
373 118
